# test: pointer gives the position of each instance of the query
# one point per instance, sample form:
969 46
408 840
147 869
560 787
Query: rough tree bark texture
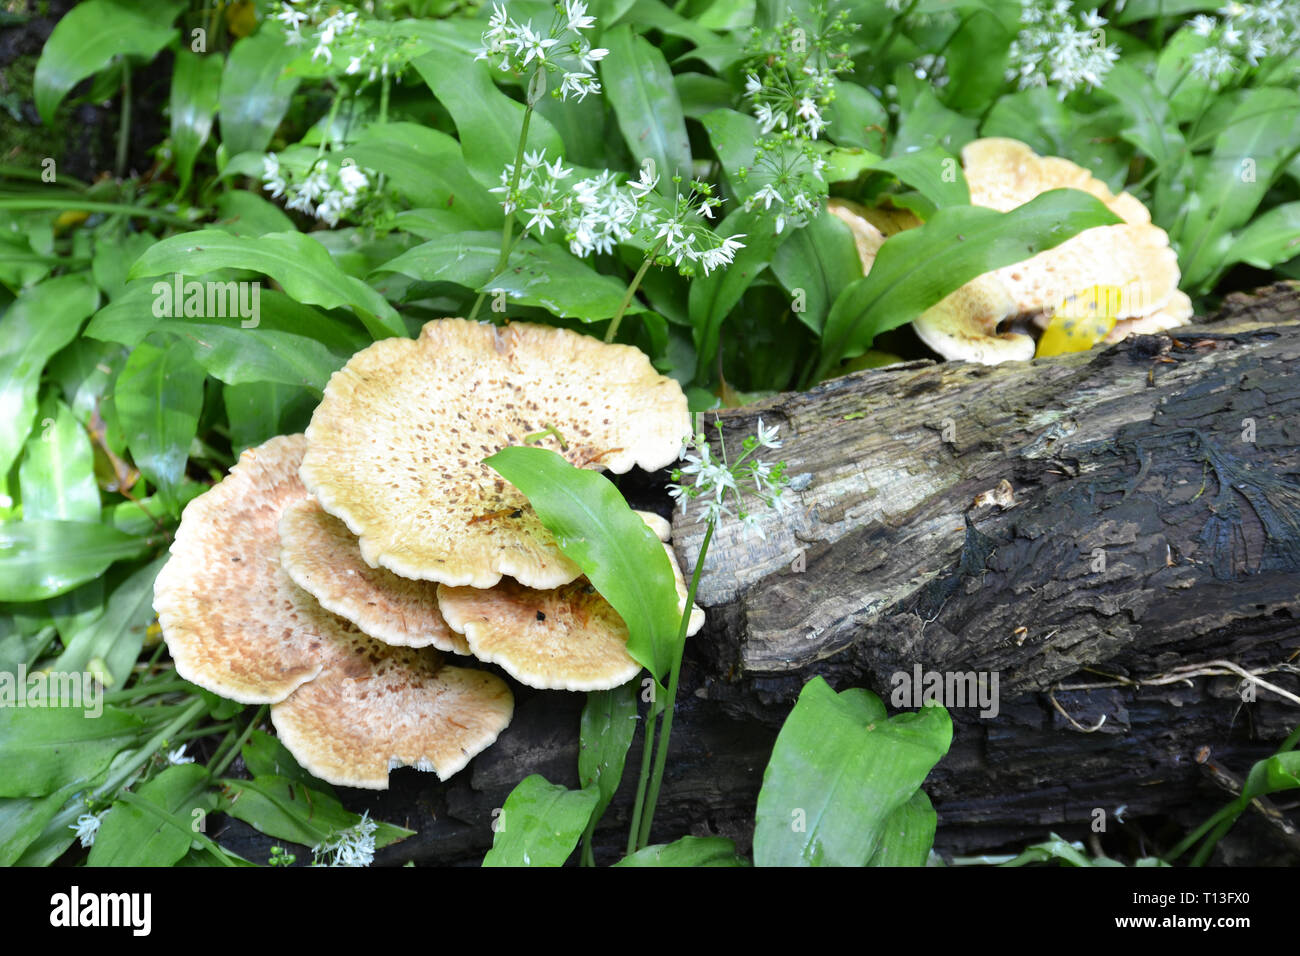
1152 524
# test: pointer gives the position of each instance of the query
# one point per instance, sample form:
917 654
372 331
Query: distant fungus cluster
1133 257
330 574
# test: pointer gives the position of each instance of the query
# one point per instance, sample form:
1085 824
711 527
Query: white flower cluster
717 482
1243 36
328 30
87 827
518 47
354 846
324 190
1055 47
789 82
597 212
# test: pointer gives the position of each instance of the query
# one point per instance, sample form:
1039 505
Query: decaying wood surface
1149 521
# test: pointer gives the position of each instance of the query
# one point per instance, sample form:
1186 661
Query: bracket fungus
347 706
396 446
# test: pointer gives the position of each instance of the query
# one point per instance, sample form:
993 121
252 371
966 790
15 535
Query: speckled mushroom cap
566 638
234 622
375 707
963 325
237 625
1005 173
396 447
322 557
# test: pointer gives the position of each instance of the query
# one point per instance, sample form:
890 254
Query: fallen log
1097 556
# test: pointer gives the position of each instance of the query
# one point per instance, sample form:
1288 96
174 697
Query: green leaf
1272 238
712 297
907 834
536 275
977 56
40 559
1150 127
43 747
159 397
732 136
130 835
839 771
261 410
688 851
930 123
426 167
540 824
857 118
487 120
819 260
918 267
265 756
931 171
57 474
255 91
116 636
299 263
37 324
195 85
1261 136
639 87
23 818
621 557
90 35
287 809
248 214
609 721
1036 117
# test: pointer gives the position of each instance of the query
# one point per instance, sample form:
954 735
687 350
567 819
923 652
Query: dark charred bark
1153 525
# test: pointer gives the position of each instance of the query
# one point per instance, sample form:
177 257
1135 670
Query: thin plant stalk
646 749
507 229
229 755
661 757
124 124
631 291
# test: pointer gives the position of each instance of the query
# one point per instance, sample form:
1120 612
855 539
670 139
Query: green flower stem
647 747
142 689
124 124
661 757
508 228
631 291
219 768
22 204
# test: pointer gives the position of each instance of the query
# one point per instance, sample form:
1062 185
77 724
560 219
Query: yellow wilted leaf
241 18
1081 320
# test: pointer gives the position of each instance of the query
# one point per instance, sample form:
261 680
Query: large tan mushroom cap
322 557
567 638
396 446
1005 173
1177 313
233 620
963 325
376 707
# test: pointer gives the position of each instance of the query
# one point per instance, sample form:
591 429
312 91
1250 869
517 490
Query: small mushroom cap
322 557
866 236
566 638
963 325
233 620
662 527
1005 173
375 707
396 447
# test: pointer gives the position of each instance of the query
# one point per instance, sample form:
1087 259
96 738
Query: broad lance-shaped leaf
917 267
1271 239
195 84
609 721
907 834
688 851
621 557
299 263
43 747
23 818
839 771
159 397
90 35
814 265
42 320
255 91
41 559
57 474
540 824
287 809
932 171
639 86
131 835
